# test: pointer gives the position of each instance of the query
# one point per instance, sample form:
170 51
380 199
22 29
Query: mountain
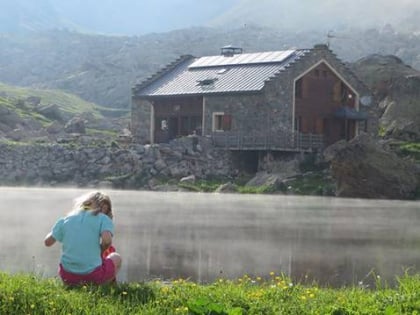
102 69
28 114
23 15
55 44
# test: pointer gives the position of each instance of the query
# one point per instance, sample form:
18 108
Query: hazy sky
147 16
307 14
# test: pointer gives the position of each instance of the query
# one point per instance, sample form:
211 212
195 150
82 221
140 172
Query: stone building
287 101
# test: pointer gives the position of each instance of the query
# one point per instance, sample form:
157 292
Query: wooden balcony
293 141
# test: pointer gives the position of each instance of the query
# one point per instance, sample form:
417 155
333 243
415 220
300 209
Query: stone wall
248 111
140 120
135 166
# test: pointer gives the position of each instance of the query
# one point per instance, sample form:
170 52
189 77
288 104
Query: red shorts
101 275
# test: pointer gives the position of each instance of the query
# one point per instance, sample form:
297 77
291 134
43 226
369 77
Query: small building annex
292 100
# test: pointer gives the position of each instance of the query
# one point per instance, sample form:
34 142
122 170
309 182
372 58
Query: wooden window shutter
227 122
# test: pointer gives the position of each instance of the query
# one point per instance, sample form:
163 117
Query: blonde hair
95 201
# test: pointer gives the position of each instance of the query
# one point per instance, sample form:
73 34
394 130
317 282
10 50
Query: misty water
203 237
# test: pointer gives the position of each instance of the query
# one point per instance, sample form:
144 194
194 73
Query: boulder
33 100
51 111
226 188
55 128
188 179
362 168
265 179
75 125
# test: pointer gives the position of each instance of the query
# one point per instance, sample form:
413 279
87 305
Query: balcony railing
293 141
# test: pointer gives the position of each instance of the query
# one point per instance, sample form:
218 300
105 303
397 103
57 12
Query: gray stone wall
136 166
269 111
246 110
140 120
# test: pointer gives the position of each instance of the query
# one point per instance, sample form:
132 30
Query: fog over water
206 236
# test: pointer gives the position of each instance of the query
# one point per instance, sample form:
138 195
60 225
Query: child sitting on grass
86 233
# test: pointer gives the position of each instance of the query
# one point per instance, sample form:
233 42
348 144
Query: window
222 122
206 82
161 124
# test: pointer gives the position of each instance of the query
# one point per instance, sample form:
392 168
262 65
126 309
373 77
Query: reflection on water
206 236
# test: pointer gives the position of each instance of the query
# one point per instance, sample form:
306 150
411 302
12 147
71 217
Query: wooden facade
319 93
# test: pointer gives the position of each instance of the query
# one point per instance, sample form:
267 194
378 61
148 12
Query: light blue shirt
80 235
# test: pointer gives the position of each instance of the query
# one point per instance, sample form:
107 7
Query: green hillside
67 102
28 113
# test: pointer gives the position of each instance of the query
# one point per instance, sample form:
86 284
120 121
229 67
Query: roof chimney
321 46
229 51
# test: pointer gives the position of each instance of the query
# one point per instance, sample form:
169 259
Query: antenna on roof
330 36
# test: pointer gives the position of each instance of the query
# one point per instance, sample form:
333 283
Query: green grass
314 184
264 189
212 185
410 149
67 102
274 294
202 185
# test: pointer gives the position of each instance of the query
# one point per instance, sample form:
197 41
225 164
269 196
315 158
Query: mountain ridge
102 69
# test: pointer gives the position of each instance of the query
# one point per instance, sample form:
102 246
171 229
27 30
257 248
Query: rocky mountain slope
49 116
102 69
396 87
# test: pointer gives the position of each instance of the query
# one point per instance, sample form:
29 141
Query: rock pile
133 166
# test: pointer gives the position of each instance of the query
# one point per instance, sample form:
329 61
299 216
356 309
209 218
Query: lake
335 241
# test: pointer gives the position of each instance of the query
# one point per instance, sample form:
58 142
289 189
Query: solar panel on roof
241 59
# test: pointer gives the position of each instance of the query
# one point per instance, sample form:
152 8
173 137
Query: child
85 234
106 208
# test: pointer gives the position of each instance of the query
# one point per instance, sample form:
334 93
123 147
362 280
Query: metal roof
219 74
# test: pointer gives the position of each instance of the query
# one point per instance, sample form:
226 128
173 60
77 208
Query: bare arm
49 240
106 240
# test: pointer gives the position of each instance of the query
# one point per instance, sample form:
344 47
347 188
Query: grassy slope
29 294
67 102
